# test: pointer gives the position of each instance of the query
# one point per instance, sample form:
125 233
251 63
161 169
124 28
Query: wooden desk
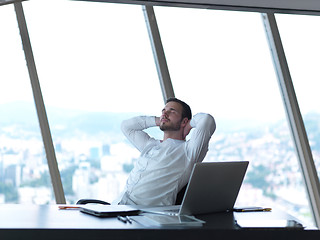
47 222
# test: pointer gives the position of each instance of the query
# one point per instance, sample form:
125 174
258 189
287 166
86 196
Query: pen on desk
122 219
128 219
256 210
68 207
264 209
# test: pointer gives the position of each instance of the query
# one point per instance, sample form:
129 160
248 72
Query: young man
164 166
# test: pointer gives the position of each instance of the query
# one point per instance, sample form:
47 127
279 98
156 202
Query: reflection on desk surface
269 219
275 224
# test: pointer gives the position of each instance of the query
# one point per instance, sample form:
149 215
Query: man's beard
171 127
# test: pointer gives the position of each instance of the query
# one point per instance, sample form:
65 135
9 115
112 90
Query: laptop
213 187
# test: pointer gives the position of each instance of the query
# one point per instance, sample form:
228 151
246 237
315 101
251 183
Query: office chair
179 198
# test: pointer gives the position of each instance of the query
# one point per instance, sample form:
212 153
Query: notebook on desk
109 210
213 187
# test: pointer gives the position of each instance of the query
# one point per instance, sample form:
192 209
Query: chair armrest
85 201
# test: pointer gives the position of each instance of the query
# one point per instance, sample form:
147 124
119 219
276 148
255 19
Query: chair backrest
179 198
180 195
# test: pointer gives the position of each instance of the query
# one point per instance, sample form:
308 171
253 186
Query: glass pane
96 68
23 169
220 63
301 45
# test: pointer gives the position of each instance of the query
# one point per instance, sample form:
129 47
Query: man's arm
203 126
133 130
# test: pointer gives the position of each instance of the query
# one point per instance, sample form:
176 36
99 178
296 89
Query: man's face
171 117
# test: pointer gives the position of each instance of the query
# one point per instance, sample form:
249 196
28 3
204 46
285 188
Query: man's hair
186 110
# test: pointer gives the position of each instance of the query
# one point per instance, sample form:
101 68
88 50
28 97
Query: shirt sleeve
203 126
133 130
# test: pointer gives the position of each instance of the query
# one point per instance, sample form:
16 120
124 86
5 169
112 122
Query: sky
97 57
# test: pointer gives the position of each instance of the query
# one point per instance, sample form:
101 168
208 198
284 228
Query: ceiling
266 6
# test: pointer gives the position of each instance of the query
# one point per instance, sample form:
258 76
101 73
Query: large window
96 68
22 158
220 63
302 51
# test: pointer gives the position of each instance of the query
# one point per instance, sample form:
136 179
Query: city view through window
96 71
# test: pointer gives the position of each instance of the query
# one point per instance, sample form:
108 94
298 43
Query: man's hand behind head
157 120
187 129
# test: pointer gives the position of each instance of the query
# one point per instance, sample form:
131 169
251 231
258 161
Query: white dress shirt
164 167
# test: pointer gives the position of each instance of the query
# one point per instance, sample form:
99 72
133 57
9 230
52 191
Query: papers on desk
149 220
